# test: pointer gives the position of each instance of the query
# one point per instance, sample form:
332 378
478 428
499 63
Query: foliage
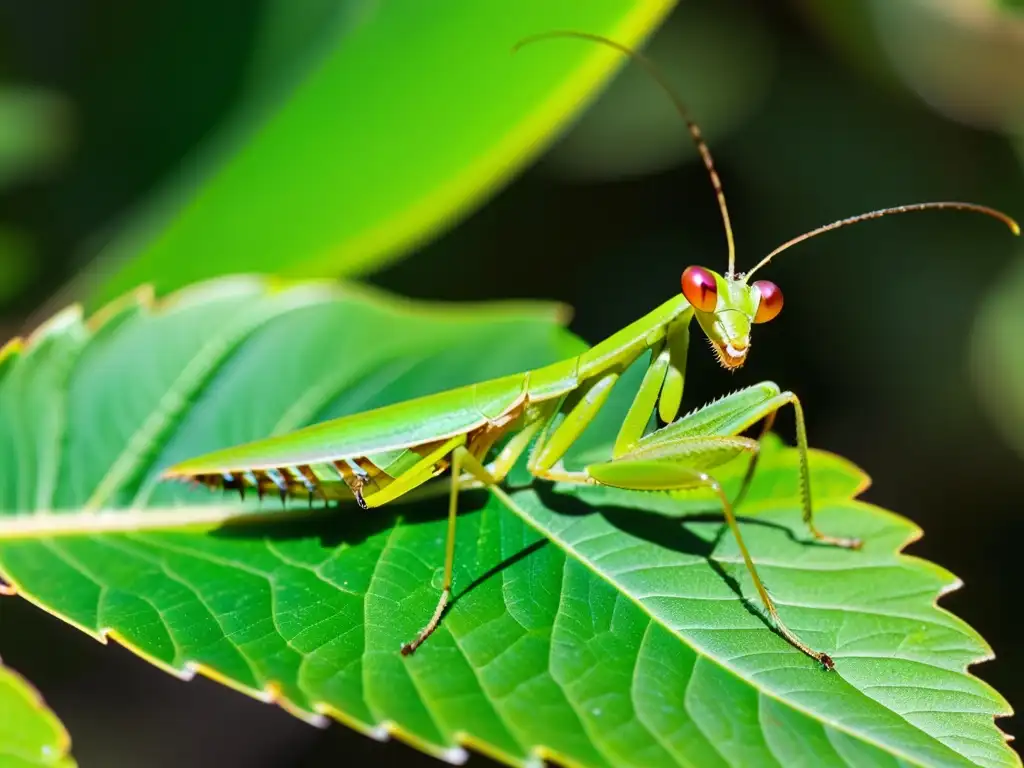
407 118
592 626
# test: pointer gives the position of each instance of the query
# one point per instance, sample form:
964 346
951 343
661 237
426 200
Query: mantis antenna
659 78
1013 225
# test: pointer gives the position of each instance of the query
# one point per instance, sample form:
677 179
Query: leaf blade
593 626
351 171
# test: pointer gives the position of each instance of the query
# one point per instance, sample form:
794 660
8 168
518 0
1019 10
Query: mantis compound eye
700 288
771 301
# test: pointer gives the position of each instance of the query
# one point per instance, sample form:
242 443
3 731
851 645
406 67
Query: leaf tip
142 296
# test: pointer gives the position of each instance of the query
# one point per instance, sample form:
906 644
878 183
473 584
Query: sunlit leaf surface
593 626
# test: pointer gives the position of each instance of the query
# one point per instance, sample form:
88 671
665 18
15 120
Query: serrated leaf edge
318 712
144 298
913 535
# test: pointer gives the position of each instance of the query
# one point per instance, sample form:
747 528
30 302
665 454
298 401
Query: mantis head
726 306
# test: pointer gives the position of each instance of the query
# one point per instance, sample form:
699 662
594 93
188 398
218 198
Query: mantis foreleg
678 342
662 386
668 468
639 414
548 451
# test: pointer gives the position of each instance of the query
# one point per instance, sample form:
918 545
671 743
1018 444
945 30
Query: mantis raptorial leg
766 413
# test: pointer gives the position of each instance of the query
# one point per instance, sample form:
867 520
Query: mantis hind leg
462 459
665 474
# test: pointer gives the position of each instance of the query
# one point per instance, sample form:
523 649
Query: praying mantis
382 455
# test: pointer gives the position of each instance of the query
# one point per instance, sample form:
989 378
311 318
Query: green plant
590 625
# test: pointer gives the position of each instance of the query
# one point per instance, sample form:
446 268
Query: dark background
808 123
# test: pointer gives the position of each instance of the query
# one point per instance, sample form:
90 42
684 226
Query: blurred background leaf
411 115
964 58
30 735
16 263
292 37
634 129
32 132
876 335
997 355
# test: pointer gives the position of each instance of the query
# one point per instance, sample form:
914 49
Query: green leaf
30 735
591 626
411 116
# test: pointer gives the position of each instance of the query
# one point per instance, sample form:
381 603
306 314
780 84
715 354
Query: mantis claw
409 648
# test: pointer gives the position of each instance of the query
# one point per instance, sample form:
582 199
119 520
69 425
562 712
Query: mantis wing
393 427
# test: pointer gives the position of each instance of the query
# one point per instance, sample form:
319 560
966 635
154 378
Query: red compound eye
700 288
771 301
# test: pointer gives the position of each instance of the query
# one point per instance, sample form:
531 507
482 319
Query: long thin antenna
659 78
1014 227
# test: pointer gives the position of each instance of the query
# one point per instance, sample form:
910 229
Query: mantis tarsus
384 454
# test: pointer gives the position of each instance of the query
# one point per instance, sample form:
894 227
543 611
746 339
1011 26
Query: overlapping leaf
593 626
30 735
406 117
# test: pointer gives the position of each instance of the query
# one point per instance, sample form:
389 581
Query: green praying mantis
384 454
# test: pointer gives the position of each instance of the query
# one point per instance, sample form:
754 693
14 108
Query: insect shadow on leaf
348 525
673 533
